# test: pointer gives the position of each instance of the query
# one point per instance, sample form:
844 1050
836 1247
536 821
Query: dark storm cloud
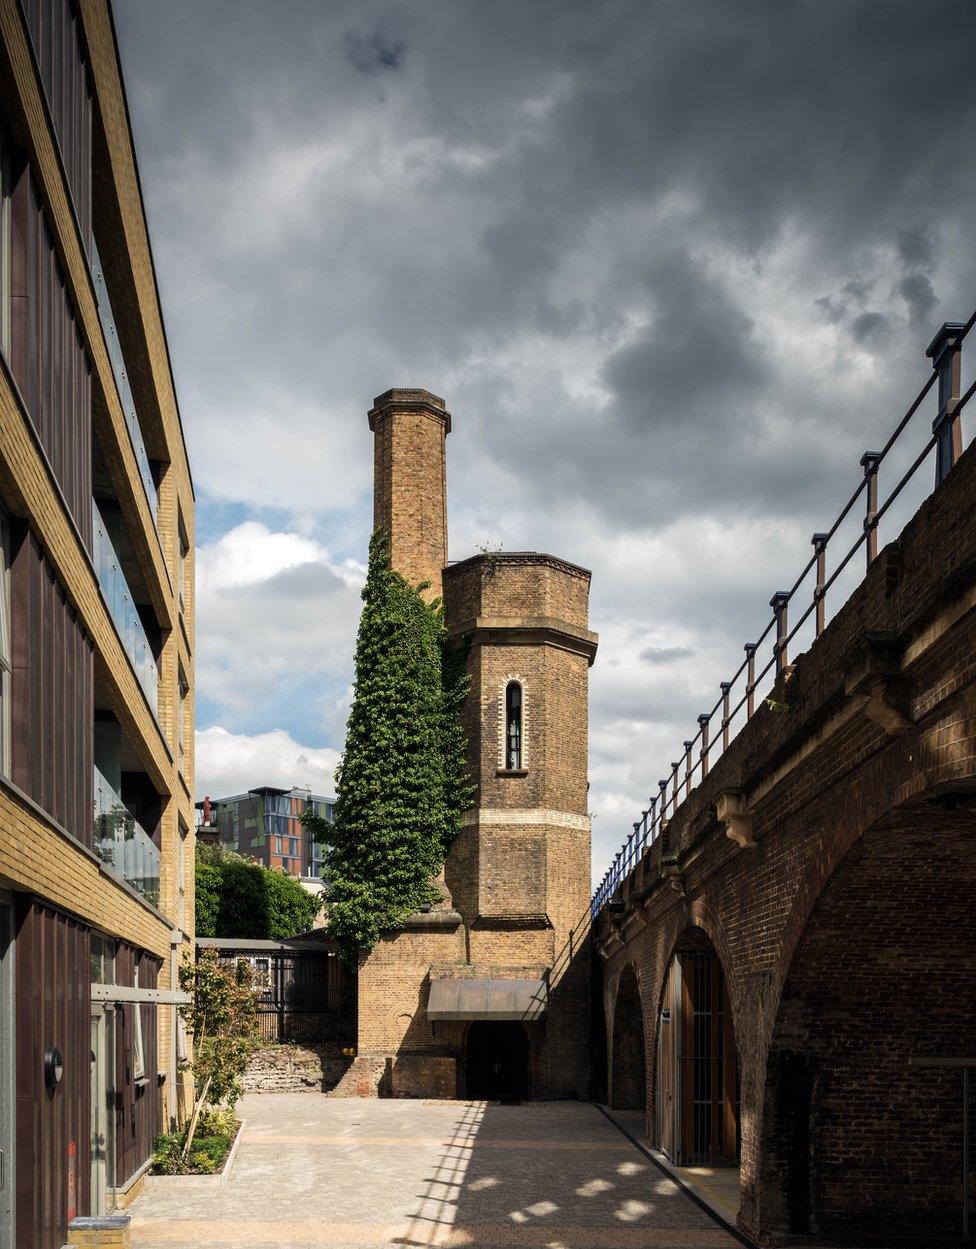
673 265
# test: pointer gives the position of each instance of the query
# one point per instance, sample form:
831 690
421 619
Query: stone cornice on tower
495 558
401 399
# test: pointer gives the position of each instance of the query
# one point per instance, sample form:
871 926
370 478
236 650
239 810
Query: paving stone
335 1172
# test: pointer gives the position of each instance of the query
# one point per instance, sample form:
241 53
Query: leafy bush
211 1144
207 898
236 897
404 778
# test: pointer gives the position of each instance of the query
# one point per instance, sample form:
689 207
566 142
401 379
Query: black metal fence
303 992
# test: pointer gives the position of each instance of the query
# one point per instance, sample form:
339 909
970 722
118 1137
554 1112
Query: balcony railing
123 846
757 675
122 381
118 596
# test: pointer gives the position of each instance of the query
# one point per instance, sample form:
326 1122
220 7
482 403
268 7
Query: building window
6 304
181 875
513 726
102 960
5 658
138 1050
184 689
181 571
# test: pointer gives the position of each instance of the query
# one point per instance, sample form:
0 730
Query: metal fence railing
302 997
737 701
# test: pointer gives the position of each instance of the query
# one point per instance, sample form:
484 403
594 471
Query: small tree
404 779
223 1019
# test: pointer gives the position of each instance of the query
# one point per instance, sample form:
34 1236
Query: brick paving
336 1172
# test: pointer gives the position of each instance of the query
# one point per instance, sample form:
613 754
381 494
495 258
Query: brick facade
48 862
517 880
845 932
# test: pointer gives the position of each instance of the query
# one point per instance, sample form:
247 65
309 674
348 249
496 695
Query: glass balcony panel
107 319
122 844
115 588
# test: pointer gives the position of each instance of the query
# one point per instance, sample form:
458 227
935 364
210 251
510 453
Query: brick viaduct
828 860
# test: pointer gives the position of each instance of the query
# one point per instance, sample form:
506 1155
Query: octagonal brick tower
486 995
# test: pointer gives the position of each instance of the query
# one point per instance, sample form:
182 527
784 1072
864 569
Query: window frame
513 714
139 1075
6 646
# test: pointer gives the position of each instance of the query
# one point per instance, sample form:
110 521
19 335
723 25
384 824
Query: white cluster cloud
233 763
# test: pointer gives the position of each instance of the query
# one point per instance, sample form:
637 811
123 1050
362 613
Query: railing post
663 787
819 593
652 811
674 785
688 746
633 844
725 686
750 650
703 722
869 462
779 603
945 353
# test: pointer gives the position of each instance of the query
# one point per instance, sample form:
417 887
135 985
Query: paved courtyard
313 1170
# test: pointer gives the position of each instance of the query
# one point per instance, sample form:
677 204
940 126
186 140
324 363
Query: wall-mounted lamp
53 1067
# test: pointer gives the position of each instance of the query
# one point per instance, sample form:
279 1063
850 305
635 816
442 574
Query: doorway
497 1060
6 1075
102 1106
697 1089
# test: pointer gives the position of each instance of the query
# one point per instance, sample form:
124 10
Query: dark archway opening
497 1060
858 1140
697 1088
628 1076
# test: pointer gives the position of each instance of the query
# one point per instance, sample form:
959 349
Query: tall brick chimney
410 482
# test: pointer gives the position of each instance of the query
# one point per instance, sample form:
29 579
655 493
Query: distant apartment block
96 642
265 825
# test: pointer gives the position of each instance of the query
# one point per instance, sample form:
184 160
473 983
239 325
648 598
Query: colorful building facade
265 825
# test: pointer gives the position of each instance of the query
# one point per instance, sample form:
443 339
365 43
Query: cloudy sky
672 264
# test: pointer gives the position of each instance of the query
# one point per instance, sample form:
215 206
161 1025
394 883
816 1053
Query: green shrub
211 1145
236 897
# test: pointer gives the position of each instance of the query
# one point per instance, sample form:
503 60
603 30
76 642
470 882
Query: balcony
122 607
122 381
122 844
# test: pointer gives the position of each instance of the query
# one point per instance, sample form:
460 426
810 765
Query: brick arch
628 1044
851 1138
701 914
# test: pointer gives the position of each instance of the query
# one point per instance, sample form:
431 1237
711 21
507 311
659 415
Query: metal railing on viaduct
809 592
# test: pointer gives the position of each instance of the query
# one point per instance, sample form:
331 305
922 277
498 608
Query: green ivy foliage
404 778
238 898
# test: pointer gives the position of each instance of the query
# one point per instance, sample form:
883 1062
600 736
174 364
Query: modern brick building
265 825
96 641
482 996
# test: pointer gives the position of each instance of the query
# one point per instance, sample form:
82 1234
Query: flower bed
212 1142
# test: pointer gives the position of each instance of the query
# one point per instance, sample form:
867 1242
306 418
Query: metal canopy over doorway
464 999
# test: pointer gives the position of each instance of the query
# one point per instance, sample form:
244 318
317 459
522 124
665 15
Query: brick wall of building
842 932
